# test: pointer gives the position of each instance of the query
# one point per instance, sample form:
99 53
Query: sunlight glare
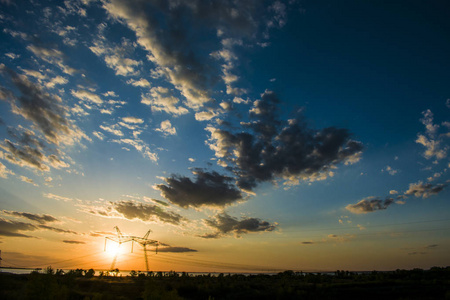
113 249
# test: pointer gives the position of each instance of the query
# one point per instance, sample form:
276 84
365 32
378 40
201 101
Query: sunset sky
247 135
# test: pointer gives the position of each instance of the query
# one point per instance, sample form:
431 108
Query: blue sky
256 135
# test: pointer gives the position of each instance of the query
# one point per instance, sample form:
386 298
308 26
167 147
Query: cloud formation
45 111
369 204
15 228
434 144
41 219
272 149
425 190
133 210
176 249
208 189
175 49
225 224
146 212
73 242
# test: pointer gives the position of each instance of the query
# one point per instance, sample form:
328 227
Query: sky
248 136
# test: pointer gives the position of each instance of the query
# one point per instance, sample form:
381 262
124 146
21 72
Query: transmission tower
143 241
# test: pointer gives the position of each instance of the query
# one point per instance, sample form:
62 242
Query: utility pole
143 241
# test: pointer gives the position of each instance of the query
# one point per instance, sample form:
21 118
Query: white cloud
27 180
133 120
114 129
166 128
140 83
58 80
87 96
206 115
56 197
4 171
161 99
99 135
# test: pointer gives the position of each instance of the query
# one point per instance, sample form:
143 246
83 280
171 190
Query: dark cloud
208 189
73 242
369 205
225 224
55 229
271 149
425 190
417 253
308 243
50 125
14 228
24 155
146 212
433 246
36 105
42 219
176 249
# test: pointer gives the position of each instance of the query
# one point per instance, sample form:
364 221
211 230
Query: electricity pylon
143 241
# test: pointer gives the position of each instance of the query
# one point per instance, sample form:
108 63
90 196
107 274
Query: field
82 284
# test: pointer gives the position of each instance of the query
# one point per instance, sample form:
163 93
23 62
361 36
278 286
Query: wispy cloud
41 219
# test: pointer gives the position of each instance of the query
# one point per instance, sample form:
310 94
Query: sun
113 249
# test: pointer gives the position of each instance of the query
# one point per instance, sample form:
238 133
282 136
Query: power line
371 226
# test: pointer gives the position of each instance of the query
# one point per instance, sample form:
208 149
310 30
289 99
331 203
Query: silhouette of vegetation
82 284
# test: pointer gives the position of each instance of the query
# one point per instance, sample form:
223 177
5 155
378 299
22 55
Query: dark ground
81 284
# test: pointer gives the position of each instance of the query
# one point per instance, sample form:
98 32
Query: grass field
82 284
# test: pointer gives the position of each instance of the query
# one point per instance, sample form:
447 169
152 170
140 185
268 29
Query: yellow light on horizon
114 249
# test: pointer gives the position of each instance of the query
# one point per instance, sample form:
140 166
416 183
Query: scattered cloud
225 224
369 204
425 190
52 56
176 249
389 170
41 219
4 171
162 99
132 120
434 144
56 197
270 149
73 242
15 228
114 129
166 128
133 210
44 110
87 96
208 189
140 83
27 180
